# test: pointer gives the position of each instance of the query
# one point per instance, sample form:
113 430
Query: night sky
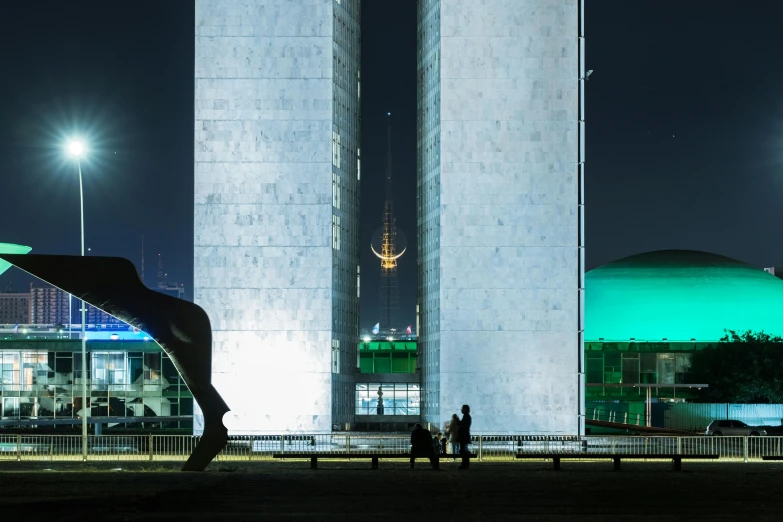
684 130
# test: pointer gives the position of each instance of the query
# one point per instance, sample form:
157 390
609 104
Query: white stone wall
263 207
508 235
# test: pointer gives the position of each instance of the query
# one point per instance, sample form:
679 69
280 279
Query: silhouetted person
422 446
452 434
437 443
464 437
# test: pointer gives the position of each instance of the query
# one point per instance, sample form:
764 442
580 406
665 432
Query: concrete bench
616 457
374 457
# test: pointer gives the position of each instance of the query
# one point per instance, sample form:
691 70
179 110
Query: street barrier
176 448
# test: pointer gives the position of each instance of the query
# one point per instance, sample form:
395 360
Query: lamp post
76 150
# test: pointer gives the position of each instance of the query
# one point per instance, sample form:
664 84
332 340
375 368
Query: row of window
39 384
69 407
345 198
636 367
57 372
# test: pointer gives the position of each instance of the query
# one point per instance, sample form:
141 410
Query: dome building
680 295
646 314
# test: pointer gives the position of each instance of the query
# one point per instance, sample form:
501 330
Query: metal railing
261 447
621 417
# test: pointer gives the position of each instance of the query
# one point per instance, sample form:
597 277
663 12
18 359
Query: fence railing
261 447
622 417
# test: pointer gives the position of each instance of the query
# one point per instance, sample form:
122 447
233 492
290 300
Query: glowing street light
77 149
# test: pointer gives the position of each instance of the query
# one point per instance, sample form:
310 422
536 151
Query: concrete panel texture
508 234
263 207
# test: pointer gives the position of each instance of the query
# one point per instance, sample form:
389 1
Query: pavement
350 490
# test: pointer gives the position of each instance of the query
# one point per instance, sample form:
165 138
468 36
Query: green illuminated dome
680 295
9 248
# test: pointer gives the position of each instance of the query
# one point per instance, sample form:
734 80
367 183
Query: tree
742 368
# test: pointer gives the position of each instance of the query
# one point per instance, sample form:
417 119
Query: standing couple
458 434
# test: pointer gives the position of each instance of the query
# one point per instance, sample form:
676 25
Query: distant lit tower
389 294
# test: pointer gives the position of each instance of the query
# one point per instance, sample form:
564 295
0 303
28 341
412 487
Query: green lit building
388 389
647 314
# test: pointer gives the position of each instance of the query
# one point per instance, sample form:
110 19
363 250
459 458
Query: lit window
358 281
358 164
108 368
336 191
336 149
336 232
335 356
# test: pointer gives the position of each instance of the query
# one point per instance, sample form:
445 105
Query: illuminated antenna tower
389 295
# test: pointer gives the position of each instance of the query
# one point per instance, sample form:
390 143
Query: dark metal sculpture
181 328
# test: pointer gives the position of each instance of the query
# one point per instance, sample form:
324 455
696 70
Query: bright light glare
367 339
76 148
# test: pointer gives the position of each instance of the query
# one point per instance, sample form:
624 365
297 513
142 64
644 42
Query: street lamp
77 150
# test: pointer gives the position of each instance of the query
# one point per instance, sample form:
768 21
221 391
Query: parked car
734 427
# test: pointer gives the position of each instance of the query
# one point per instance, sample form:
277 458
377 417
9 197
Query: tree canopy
742 368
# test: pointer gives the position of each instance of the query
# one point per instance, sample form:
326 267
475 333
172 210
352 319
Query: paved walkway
351 491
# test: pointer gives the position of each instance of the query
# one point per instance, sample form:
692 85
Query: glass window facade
44 381
388 398
428 212
346 140
637 363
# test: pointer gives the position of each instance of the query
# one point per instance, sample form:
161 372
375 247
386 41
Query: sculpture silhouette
181 328
10 248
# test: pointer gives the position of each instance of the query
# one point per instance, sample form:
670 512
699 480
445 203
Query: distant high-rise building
277 171
172 289
93 315
164 286
49 305
500 212
14 308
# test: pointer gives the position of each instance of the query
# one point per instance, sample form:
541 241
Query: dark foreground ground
351 491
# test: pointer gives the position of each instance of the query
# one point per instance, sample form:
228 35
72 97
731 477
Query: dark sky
684 130
388 85
121 75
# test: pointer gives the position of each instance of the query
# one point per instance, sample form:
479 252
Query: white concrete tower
276 207
500 229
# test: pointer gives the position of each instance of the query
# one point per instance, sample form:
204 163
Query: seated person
422 446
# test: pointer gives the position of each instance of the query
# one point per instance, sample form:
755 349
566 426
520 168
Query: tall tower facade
499 213
276 207
388 297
